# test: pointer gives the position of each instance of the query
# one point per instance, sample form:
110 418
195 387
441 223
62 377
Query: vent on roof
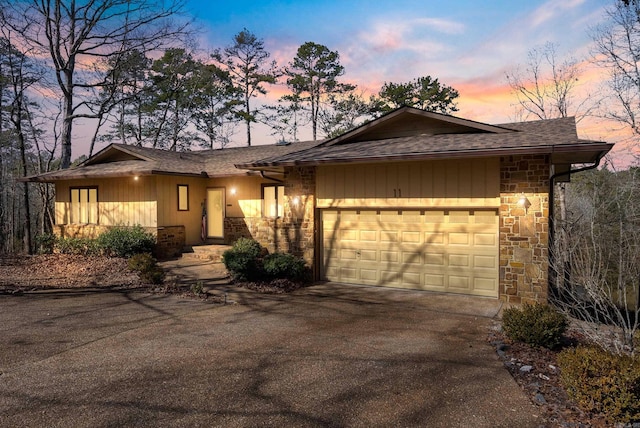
283 143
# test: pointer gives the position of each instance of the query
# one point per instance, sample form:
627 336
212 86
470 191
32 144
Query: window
273 201
183 197
84 205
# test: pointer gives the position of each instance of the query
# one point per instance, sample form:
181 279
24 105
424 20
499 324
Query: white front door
215 213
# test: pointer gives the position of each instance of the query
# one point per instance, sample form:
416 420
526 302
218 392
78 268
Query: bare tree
603 249
617 49
75 35
546 87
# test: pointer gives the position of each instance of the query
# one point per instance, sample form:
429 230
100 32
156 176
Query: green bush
46 243
80 246
602 382
121 241
536 325
243 260
284 266
147 267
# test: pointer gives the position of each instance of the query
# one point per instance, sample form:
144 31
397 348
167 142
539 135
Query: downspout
552 227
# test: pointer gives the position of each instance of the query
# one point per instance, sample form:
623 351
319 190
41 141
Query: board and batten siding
438 183
121 201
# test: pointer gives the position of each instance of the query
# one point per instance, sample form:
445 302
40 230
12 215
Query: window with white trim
84 205
272 200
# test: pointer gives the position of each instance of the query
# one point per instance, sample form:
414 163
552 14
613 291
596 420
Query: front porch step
205 252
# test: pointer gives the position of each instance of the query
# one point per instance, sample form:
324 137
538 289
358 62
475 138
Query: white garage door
454 251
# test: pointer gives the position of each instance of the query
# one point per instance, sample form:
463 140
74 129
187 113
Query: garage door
454 251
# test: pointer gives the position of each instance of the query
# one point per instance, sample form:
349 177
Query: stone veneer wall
170 241
293 232
524 232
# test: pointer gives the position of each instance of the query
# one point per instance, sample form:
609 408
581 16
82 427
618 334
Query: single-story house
413 199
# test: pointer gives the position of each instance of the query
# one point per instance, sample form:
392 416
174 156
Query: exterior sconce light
296 201
524 202
135 178
233 191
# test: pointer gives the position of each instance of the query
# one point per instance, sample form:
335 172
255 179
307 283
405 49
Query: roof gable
114 153
410 122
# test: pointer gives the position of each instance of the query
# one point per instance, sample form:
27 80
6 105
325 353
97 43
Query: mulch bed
536 371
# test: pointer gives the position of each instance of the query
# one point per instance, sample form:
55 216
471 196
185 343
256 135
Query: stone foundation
170 240
524 232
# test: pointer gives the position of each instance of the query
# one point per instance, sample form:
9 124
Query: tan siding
121 201
442 183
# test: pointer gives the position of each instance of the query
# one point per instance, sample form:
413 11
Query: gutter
552 228
262 174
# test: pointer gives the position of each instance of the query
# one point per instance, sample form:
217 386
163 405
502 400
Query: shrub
602 382
124 241
147 267
80 246
284 266
46 243
243 259
536 325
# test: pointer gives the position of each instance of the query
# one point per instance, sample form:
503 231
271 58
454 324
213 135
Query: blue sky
469 45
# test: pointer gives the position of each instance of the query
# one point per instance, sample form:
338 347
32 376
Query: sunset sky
469 45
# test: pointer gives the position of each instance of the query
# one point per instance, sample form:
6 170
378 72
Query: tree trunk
65 136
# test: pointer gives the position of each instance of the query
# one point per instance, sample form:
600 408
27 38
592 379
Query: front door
215 213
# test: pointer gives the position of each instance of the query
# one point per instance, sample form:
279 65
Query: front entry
215 213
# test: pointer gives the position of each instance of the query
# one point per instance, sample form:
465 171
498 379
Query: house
413 199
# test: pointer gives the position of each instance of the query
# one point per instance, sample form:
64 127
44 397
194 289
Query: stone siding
524 232
294 231
170 241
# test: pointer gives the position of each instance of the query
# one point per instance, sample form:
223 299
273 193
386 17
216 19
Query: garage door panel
488 261
368 255
389 257
458 238
412 237
450 251
459 260
485 239
368 236
434 259
434 238
369 275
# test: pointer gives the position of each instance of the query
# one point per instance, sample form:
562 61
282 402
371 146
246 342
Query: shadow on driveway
328 355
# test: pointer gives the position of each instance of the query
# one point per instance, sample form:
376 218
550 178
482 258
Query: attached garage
426 201
453 250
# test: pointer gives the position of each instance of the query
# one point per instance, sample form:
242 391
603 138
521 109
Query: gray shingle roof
557 137
118 160
542 136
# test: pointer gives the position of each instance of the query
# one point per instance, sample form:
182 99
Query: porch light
524 202
296 201
233 191
135 178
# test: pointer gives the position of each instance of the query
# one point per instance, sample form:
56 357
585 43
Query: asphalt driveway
330 355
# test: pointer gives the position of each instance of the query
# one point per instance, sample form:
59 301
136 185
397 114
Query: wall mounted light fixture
233 191
524 202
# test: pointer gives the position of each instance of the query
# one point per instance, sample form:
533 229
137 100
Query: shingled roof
452 138
404 134
120 160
